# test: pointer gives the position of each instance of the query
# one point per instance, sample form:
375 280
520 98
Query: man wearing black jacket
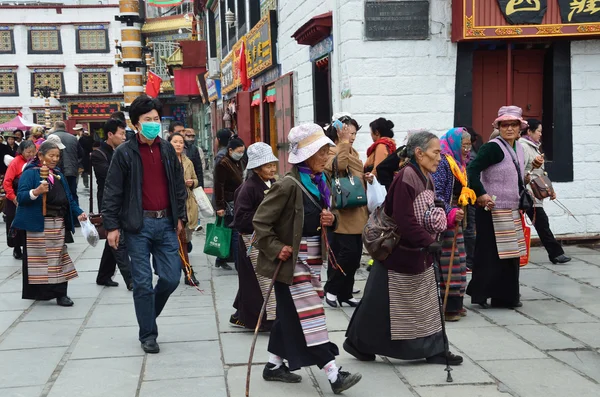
193 153
145 196
100 160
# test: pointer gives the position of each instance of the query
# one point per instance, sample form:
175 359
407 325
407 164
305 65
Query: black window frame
30 49
62 81
16 93
78 48
80 78
12 42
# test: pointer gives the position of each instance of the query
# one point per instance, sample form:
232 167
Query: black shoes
17 253
349 302
504 305
222 264
331 303
194 281
150 346
350 349
344 381
281 374
130 286
109 283
64 301
561 259
189 247
453 359
235 321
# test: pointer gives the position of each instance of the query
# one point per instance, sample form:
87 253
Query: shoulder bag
96 219
525 199
380 235
542 187
348 191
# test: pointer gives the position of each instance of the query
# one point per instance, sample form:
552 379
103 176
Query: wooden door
284 114
489 89
528 82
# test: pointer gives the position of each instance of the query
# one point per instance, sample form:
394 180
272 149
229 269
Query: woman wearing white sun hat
287 228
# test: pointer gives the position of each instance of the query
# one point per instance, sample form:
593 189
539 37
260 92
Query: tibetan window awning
516 19
315 30
270 95
255 99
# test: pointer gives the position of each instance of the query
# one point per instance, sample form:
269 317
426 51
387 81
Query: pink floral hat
510 113
306 140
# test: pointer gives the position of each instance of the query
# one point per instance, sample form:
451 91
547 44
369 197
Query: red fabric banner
153 84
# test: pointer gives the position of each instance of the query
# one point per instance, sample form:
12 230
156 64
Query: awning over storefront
185 81
270 95
515 19
255 99
315 30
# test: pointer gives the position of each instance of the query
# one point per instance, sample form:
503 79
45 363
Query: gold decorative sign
260 43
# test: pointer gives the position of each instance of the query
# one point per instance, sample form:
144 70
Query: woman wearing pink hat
288 227
496 176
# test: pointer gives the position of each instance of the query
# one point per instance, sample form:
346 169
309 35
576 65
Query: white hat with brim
306 140
259 154
56 140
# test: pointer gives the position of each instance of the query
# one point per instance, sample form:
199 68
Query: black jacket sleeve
114 191
100 165
179 186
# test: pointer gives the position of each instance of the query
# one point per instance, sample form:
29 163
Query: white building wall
69 57
410 82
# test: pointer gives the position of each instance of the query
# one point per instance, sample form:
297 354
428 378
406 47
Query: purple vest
501 179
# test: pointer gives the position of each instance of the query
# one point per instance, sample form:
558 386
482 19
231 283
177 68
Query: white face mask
236 156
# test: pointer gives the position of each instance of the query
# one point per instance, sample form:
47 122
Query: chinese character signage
93 110
260 45
230 75
519 12
579 11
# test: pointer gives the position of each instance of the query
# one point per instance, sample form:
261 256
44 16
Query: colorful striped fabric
508 229
458 278
263 282
164 3
307 292
48 261
414 305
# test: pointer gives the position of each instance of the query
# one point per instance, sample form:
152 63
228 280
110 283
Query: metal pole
509 76
247 5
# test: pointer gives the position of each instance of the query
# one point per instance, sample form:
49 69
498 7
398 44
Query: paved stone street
549 347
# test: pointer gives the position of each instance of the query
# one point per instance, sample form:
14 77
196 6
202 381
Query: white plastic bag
90 233
375 194
205 208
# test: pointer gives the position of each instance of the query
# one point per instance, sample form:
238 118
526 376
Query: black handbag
525 199
347 191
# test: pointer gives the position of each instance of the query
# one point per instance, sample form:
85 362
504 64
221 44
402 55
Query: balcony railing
161 51
186 7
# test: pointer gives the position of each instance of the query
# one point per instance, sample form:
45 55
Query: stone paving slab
107 342
33 391
31 335
7 319
541 378
113 316
31 367
184 360
236 348
115 377
587 333
545 338
236 383
585 361
213 386
49 310
461 391
13 301
552 312
506 317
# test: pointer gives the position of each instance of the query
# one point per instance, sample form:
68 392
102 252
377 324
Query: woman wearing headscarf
451 188
252 287
383 145
498 170
534 167
14 238
346 241
399 314
228 176
288 227
47 266
191 182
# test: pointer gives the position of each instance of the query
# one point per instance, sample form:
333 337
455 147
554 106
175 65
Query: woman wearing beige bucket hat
287 229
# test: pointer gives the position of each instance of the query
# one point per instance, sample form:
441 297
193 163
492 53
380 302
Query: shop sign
321 49
260 45
397 20
213 88
230 77
579 11
100 110
518 12
265 78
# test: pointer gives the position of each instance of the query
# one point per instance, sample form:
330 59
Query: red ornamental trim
315 30
109 65
57 23
46 66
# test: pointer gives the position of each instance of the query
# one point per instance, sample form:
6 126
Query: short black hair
175 124
118 116
170 138
533 126
112 125
18 130
24 146
142 105
96 144
235 143
383 127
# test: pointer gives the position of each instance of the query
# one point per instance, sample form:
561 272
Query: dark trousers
347 249
157 238
469 234
542 226
72 182
111 258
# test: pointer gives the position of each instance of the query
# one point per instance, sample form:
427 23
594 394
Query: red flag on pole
243 68
153 84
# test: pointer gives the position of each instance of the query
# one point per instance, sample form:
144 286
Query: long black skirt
40 292
249 299
14 237
369 330
492 277
287 339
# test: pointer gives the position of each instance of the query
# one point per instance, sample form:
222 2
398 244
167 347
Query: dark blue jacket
29 215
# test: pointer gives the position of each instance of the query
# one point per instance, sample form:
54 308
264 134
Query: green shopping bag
218 239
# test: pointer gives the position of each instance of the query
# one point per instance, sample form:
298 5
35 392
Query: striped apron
307 292
458 278
508 229
263 282
48 261
414 305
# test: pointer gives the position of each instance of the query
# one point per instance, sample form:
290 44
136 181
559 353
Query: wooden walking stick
258 324
450 268
44 173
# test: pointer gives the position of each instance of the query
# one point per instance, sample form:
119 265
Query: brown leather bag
380 235
96 219
542 187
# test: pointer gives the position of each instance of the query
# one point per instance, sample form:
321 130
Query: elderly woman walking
498 172
534 167
47 266
399 315
452 189
252 287
288 227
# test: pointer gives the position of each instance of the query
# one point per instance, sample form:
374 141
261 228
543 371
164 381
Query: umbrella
18 123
